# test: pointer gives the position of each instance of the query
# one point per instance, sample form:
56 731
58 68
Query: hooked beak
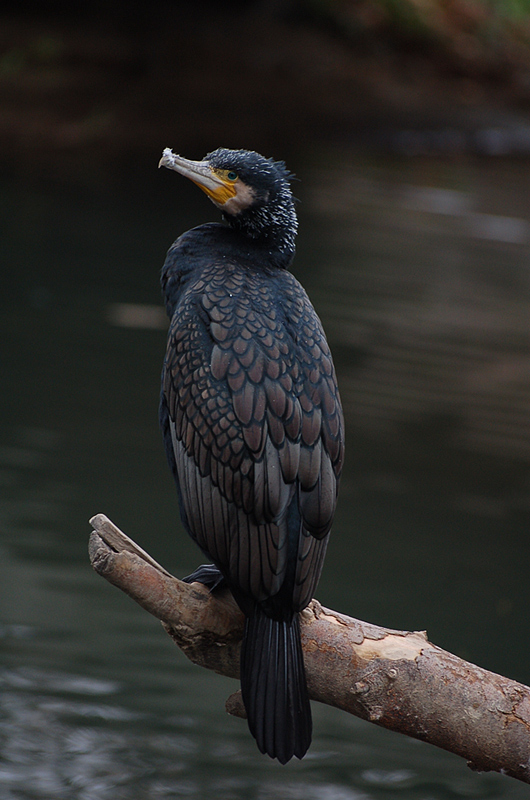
201 173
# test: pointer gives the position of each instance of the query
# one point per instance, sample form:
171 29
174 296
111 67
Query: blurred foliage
512 9
110 76
470 29
41 51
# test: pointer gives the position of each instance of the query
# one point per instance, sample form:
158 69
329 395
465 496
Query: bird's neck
272 228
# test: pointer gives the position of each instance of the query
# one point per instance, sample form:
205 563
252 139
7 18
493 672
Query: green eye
232 176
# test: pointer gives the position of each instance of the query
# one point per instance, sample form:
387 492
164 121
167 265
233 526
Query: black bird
252 424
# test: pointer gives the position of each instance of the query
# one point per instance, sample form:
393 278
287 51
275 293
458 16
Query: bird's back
255 417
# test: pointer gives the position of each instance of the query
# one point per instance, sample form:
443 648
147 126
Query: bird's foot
208 575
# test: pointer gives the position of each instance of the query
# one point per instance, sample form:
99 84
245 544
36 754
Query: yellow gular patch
225 188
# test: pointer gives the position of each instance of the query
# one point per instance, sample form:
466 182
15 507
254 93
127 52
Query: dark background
407 125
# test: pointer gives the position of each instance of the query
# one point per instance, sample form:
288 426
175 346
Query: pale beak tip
168 159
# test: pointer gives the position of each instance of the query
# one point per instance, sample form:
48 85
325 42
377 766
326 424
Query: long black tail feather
273 685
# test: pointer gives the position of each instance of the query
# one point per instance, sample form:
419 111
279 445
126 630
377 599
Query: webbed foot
208 575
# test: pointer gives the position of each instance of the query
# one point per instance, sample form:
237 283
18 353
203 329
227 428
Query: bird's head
252 191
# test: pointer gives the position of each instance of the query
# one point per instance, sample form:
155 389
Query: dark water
421 273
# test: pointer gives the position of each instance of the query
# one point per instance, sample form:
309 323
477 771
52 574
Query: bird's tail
273 685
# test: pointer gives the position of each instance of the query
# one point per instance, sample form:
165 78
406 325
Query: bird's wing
256 421
322 422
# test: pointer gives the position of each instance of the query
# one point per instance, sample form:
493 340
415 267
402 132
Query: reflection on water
436 303
68 736
420 272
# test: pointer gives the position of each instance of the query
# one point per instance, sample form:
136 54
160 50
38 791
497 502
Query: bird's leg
208 575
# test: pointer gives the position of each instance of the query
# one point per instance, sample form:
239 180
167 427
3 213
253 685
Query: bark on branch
396 679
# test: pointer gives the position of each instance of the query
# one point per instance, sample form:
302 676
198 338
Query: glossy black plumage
253 425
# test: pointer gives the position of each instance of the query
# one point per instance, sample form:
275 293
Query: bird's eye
231 175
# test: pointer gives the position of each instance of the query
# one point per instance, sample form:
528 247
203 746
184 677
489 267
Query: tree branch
396 679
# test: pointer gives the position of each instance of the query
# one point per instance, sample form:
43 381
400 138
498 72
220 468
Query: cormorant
252 424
